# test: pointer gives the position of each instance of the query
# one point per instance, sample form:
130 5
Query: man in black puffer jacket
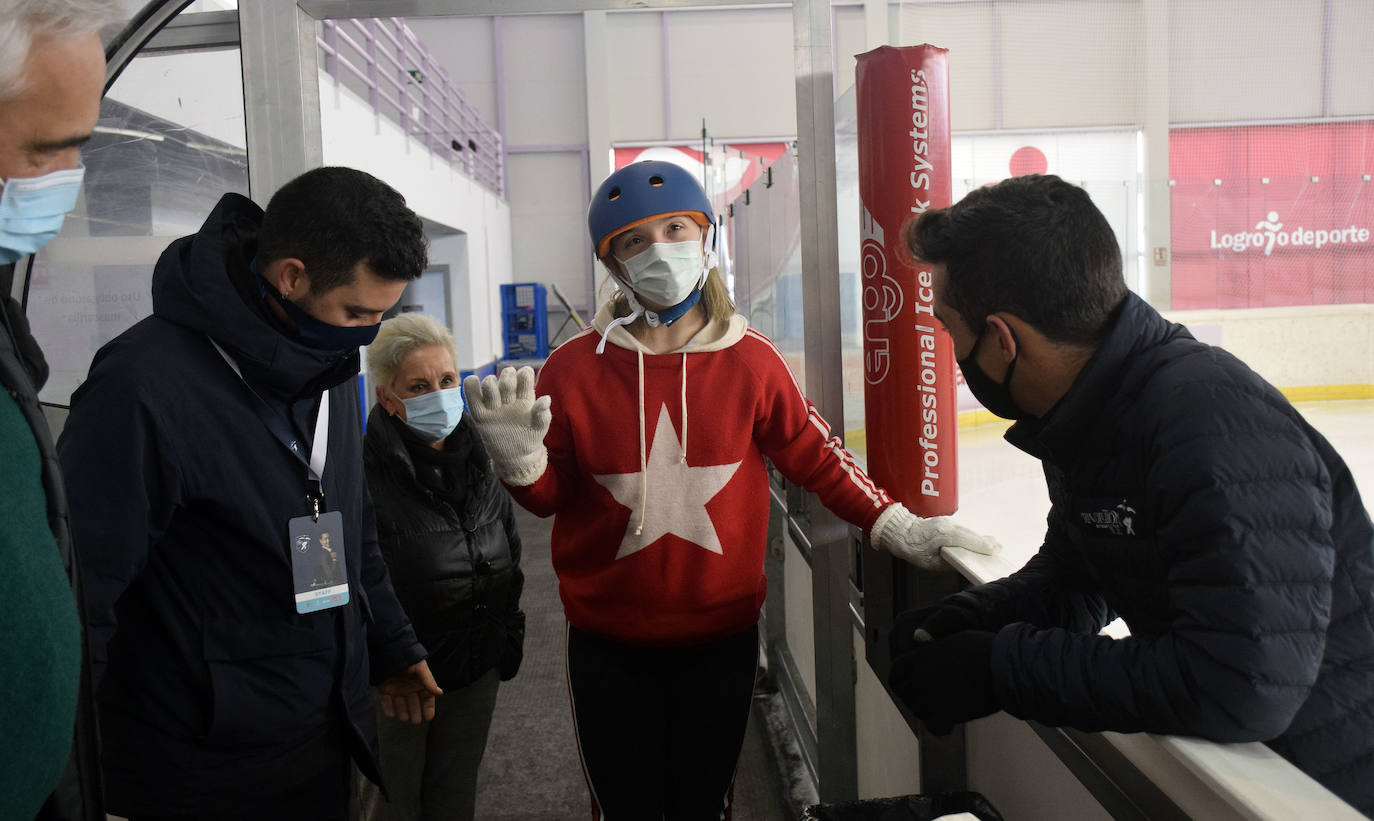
1187 496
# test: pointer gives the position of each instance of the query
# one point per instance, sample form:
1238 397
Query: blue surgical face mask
434 415
32 210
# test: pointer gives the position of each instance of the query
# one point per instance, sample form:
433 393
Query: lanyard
281 429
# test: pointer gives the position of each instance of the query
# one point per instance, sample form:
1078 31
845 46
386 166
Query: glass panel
765 228
170 141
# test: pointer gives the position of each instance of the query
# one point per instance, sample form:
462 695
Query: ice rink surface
1002 490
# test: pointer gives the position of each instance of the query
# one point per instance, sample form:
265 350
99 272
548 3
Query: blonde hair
401 336
715 300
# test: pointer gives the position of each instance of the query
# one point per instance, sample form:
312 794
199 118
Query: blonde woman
446 531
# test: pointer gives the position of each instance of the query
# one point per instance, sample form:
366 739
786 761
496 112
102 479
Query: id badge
317 562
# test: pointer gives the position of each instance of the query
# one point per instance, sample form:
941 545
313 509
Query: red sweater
653 548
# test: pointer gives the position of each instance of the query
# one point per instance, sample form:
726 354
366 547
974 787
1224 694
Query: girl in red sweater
646 439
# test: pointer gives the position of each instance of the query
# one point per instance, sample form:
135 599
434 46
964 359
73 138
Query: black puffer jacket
1191 499
454 555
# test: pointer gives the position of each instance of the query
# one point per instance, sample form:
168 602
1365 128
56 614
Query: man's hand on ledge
946 681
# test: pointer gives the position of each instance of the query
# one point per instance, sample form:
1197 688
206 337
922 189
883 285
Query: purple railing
385 62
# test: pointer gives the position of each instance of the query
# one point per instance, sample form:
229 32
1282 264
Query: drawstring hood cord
715 336
643 450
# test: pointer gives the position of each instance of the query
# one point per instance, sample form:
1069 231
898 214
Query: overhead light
129 132
218 149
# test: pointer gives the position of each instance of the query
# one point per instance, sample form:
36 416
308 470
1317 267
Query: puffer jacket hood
200 283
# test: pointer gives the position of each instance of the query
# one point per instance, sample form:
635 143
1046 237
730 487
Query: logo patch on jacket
1117 516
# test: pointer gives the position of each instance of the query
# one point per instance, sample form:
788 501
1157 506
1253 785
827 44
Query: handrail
1253 780
407 84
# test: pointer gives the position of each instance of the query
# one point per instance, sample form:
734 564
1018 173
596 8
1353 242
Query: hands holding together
942 665
409 694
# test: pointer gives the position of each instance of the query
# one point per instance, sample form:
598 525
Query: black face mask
314 333
323 336
995 396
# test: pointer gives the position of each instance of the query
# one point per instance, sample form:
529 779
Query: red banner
1272 215
909 368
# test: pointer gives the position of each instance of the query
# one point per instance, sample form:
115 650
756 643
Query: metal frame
281 94
326 9
836 722
194 32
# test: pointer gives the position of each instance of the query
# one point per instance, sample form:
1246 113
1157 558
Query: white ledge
1251 780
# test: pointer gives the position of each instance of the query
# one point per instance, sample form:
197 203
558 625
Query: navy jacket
454 557
1191 499
215 696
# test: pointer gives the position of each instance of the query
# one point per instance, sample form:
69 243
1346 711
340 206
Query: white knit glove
512 423
918 541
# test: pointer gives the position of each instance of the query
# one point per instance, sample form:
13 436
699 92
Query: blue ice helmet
643 191
636 194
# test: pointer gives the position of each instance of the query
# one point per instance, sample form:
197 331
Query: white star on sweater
677 494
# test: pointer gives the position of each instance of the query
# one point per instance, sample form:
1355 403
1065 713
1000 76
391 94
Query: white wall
850 36
466 48
1279 78
634 61
756 45
543 72
355 136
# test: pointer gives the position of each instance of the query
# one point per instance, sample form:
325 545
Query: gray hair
21 21
398 338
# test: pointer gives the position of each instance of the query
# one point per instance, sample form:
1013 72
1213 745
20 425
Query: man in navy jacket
1187 497
208 450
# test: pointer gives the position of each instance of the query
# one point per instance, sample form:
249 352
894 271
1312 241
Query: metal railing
386 63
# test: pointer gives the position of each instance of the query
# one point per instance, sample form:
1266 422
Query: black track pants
660 729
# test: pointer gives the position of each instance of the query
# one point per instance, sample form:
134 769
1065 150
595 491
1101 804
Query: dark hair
333 218
1032 246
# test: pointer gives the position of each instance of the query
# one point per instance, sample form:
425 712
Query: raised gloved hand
511 422
926 624
947 681
918 541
